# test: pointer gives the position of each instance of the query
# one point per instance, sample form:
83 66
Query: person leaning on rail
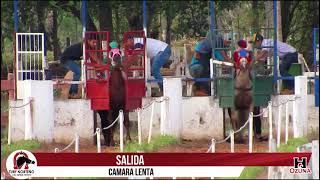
200 64
69 57
286 53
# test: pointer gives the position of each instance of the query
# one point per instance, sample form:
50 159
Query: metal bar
275 50
43 58
15 11
84 25
34 56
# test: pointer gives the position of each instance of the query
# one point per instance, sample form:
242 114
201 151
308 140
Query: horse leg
127 125
115 114
105 123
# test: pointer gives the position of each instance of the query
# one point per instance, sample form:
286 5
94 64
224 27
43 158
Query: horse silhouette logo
20 159
21 164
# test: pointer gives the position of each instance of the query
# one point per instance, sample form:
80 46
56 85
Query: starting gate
135 82
97 75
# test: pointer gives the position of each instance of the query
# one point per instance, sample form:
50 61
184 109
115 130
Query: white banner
138 171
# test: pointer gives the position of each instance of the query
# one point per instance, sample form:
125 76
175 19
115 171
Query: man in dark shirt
69 57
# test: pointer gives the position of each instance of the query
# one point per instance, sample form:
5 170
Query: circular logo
21 164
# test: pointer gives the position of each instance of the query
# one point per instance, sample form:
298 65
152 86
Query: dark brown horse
243 100
117 103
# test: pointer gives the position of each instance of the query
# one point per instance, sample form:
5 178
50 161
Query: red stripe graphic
168 159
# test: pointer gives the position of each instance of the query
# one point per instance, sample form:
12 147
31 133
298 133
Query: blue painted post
144 9
316 78
212 37
15 11
275 46
84 27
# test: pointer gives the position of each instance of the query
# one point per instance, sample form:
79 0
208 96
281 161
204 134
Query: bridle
237 74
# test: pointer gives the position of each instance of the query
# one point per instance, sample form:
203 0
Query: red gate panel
135 82
97 73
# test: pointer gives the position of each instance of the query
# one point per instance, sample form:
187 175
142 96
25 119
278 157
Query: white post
287 122
301 103
279 126
147 76
232 140
315 159
98 140
172 87
9 125
151 123
76 145
121 130
211 76
213 145
189 88
295 117
270 123
163 115
28 130
250 131
139 126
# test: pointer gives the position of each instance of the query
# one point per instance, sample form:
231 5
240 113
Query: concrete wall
70 116
313 112
202 118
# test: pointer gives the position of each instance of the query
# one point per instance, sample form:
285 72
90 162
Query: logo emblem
300 166
21 164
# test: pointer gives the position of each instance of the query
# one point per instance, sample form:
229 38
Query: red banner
168 159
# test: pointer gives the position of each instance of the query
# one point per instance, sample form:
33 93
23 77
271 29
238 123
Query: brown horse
117 103
243 100
117 96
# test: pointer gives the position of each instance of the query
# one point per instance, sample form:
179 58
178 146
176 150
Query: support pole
139 126
270 124
287 122
151 123
232 140
16 19
275 46
121 130
98 140
28 119
84 29
213 145
279 126
76 145
250 131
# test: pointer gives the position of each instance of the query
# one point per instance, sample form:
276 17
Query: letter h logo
300 163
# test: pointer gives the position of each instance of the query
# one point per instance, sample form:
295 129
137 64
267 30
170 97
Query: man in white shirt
286 53
159 53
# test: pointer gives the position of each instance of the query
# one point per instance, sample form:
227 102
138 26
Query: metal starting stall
135 82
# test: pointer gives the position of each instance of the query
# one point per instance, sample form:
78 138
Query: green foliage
251 172
292 145
25 144
156 143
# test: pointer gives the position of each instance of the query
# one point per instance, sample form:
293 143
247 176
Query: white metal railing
30 60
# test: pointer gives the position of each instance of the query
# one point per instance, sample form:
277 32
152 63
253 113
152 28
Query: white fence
30 60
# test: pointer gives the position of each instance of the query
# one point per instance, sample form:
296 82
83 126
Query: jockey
115 51
241 52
